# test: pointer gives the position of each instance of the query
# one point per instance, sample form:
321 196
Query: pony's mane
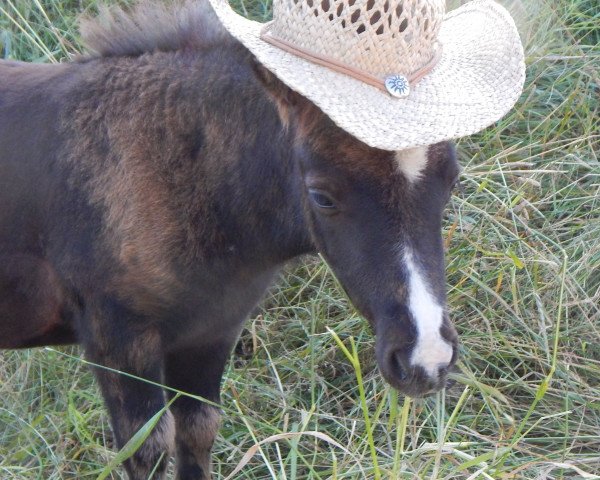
150 26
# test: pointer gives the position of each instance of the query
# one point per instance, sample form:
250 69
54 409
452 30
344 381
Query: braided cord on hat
340 67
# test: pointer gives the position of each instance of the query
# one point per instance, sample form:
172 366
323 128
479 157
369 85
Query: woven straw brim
477 81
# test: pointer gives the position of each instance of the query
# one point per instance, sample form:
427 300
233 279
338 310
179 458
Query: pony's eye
320 199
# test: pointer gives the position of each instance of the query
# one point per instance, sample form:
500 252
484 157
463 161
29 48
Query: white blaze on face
412 162
431 351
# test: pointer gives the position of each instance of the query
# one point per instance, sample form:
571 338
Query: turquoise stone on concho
398 86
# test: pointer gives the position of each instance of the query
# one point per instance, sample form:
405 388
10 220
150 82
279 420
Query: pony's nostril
442 372
397 368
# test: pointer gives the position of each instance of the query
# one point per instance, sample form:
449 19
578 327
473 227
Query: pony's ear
284 97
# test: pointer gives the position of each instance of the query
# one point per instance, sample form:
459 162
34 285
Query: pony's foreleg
121 341
196 370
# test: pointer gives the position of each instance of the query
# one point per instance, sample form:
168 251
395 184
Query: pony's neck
217 146
252 182
261 209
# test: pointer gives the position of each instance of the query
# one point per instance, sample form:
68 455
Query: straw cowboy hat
393 73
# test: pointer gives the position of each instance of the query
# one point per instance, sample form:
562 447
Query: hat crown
381 37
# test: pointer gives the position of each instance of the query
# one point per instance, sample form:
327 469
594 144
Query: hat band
341 67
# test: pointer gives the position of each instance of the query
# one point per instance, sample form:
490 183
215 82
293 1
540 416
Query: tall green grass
523 249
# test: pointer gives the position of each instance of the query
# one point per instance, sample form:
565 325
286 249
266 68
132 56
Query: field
523 268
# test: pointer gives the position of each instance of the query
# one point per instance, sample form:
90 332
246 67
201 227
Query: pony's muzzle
395 358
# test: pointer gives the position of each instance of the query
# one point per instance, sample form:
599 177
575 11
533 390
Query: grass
523 255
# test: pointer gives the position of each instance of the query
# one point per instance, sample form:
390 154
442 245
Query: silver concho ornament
397 86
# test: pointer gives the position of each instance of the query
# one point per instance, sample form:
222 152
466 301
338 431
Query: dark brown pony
150 192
